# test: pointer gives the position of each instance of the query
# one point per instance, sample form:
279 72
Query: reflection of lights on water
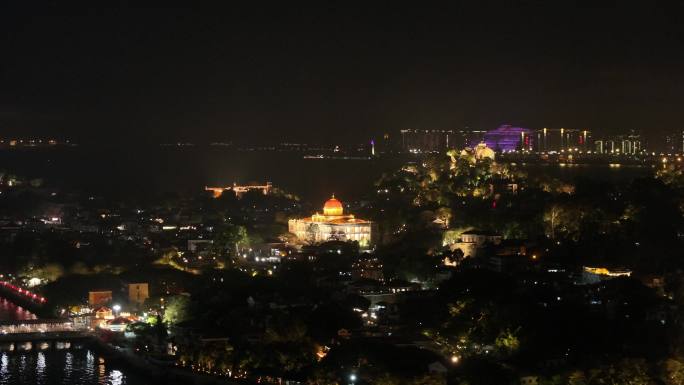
69 362
101 367
3 365
40 364
116 377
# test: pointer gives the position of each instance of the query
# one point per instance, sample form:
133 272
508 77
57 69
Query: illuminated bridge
22 293
41 334
32 329
19 325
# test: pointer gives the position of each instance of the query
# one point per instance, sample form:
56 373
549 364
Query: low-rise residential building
473 240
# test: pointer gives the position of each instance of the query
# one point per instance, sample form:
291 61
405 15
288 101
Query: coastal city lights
242 193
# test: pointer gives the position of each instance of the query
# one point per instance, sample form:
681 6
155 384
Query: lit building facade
425 141
591 275
240 190
420 141
99 298
628 144
466 138
673 143
473 240
506 138
562 139
481 151
138 292
333 224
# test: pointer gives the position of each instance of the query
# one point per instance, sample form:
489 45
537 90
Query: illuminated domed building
333 224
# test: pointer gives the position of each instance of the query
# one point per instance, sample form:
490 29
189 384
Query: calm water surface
62 367
150 170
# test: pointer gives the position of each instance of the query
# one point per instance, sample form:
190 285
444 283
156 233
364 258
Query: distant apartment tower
604 146
628 144
419 141
460 139
673 143
562 139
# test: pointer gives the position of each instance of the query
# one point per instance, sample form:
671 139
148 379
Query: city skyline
474 193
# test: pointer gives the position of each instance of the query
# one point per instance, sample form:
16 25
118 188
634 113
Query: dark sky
335 74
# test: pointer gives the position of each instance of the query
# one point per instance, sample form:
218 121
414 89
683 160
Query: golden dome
332 207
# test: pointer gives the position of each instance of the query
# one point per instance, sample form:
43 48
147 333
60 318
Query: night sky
331 74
